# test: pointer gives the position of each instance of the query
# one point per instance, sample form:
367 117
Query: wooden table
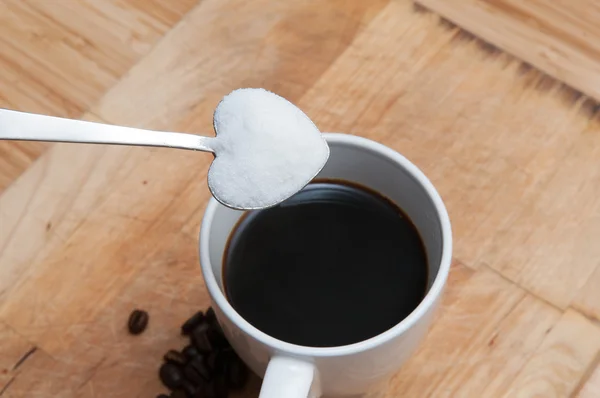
87 233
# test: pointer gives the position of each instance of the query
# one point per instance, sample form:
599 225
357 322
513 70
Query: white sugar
266 149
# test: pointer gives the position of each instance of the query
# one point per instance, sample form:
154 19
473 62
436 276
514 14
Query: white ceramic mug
293 371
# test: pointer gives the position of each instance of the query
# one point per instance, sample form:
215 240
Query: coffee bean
203 327
189 388
201 393
211 360
138 321
210 315
200 365
189 325
215 328
207 367
236 373
215 389
216 336
220 387
207 392
191 352
197 371
171 375
179 393
200 338
221 363
192 375
175 357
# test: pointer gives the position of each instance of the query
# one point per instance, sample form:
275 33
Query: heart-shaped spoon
266 149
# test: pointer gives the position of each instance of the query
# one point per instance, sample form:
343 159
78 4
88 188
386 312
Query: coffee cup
295 371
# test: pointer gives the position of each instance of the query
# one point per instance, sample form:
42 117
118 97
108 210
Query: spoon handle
33 127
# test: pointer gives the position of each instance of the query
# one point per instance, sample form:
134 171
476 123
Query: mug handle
290 378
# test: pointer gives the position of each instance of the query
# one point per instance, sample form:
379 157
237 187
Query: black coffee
333 265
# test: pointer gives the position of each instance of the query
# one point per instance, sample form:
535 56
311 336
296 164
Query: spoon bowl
266 150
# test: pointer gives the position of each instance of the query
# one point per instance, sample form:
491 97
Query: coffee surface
335 264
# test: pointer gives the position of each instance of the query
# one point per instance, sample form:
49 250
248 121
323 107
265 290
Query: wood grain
59 57
591 388
562 358
561 38
16 157
557 226
75 50
588 297
88 233
15 349
479 343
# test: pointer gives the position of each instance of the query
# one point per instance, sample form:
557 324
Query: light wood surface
87 233
559 37
59 57
591 388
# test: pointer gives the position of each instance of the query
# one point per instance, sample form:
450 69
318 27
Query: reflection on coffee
333 265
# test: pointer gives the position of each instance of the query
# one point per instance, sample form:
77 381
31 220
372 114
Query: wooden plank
561 360
551 247
560 38
591 389
59 57
479 343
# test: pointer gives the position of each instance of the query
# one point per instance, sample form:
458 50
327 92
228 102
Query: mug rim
400 328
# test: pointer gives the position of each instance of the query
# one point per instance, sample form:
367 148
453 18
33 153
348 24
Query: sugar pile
266 150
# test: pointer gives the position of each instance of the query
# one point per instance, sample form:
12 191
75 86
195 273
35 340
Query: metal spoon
252 169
